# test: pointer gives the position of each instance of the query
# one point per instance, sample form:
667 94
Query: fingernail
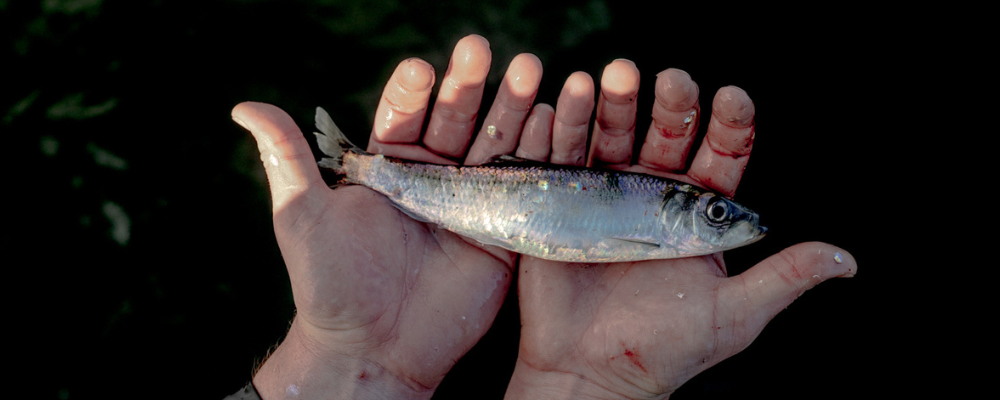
675 90
241 123
625 60
849 261
416 74
732 106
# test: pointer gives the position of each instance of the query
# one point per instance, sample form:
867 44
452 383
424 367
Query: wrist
300 368
528 382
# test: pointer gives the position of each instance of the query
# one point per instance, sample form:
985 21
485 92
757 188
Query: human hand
642 329
385 305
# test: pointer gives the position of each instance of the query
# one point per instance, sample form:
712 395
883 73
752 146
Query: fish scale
554 212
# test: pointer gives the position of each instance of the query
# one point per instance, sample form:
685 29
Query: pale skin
387 305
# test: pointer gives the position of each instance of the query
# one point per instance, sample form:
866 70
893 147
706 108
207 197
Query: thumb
288 161
761 292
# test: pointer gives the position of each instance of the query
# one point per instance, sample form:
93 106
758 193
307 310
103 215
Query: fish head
707 223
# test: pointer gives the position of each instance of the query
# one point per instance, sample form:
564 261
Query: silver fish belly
548 211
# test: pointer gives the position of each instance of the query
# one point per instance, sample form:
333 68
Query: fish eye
717 210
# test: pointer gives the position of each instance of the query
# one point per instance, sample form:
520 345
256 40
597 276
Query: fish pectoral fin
408 213
495 241
638 241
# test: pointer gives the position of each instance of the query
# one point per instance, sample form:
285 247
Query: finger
757 295
675 122
536 138
614 131
572 120
502 126
288 161
725 150
401 110
457 104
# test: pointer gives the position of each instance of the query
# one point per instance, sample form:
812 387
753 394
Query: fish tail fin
332 141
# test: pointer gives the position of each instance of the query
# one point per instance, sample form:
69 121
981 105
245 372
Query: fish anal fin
409 213
495 241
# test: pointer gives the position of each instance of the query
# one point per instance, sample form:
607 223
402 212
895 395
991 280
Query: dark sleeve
247 393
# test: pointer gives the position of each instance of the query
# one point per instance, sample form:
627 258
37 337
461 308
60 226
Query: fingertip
284 151
850 269
263 120
543 108
620 81
675 90
241 106
527 59
472 57
415 74
774 283
524 75
733 107
579 84
576 101
476 38
245 111
805 265
472 42
237 114
827 260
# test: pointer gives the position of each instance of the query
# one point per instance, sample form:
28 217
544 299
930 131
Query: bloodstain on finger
669 133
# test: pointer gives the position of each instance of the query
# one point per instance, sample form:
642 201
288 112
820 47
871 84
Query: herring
554 212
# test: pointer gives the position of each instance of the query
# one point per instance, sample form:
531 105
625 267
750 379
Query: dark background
142 261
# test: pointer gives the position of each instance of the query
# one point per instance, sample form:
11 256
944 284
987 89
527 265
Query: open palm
384 303
640 330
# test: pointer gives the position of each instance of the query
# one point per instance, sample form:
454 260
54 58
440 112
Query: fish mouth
743 233
761 232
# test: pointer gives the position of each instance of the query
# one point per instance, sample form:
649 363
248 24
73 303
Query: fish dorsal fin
507 159
504 160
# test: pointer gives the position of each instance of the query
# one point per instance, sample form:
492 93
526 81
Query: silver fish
554 212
